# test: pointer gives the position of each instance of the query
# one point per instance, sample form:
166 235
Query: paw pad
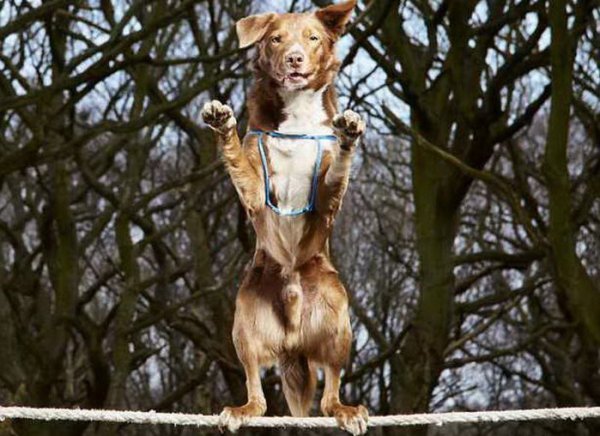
349 124
218 116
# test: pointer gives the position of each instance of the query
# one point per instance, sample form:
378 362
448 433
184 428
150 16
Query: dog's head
296 50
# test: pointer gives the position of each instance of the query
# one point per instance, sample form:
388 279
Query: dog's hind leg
233 417
353 419
258 335
335 340
299 381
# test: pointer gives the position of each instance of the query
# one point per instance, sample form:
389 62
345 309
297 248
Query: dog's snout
295 59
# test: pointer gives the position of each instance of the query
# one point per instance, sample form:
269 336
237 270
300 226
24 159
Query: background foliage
469 239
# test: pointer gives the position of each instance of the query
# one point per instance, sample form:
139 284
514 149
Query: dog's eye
314 38
276 39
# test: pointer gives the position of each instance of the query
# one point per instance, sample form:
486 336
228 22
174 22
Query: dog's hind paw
218 116
349 127
352 419
230 421
232 418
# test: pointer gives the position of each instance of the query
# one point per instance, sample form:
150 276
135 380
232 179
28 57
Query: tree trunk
581 293
578 294
421 357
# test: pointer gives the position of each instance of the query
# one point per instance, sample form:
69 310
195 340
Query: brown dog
291 307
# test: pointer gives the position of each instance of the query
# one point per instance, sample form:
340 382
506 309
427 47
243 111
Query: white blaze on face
296 76
296 48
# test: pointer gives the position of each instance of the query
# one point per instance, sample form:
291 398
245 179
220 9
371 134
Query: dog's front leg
245 177
348 126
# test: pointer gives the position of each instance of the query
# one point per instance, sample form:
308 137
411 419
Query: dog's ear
251 29
335 17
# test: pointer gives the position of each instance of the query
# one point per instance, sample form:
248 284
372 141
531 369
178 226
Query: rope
439 419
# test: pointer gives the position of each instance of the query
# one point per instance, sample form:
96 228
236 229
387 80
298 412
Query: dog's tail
299 379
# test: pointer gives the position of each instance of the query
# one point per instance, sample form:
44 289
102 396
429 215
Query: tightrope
439 419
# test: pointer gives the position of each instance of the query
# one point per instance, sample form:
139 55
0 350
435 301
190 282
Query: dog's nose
294 59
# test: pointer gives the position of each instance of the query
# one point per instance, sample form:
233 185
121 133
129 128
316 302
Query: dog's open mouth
297 77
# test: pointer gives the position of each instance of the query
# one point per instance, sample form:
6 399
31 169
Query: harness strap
315 178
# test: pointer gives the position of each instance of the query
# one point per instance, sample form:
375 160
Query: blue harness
315 178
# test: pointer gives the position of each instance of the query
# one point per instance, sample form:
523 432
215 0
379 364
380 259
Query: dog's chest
293 160
292 165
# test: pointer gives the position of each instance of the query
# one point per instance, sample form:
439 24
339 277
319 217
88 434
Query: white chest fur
293 160
292 163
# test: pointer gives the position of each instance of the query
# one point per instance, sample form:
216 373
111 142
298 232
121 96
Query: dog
292 308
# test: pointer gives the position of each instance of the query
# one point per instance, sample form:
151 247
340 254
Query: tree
468 238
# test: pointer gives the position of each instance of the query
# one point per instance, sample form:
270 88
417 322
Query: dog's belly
282 239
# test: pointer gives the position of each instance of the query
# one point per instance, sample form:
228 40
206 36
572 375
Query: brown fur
291 309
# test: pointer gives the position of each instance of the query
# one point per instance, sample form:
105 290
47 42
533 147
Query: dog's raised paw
352 419
218 116
349 124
